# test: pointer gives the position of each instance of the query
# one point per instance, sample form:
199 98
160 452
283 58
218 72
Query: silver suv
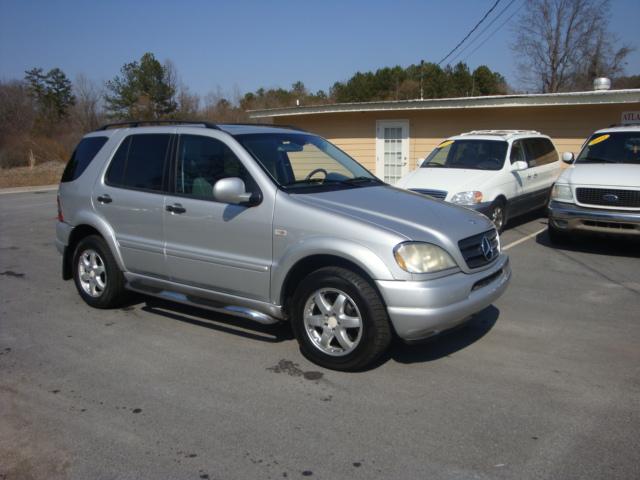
272 224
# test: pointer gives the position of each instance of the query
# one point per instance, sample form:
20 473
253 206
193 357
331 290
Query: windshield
470 154
300 161
614 147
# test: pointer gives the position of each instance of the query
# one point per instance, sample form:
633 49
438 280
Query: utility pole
421 80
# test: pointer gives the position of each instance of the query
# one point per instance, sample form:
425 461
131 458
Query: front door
209 244
392 150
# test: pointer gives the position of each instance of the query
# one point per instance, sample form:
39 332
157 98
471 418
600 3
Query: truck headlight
467 198
561 193
420 257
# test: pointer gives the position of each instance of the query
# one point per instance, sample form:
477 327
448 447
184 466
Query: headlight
418 257
467 198
561 193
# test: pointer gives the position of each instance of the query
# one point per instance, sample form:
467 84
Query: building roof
491 101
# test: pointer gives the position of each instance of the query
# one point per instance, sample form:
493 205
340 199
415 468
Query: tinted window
82 156
202 161
139 162
540 151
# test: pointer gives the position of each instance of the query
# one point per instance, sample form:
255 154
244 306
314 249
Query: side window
532 151
82 157
547 152
202 161
139 162
517 152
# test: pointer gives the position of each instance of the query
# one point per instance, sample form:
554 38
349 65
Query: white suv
501 173
601 191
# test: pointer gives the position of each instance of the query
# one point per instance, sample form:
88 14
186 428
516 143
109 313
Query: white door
392 150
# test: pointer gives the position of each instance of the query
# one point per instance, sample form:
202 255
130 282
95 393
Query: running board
205 303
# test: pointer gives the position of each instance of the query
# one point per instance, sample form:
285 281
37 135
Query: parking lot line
523 239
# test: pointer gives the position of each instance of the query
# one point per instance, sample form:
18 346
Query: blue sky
248 44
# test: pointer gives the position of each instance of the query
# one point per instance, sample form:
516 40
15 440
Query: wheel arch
311 263
82 230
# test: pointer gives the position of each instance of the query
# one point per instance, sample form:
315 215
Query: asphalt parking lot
544 384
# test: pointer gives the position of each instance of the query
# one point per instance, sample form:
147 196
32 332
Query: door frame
380 125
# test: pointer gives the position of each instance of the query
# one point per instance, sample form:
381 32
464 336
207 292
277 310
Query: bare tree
561 44
87 112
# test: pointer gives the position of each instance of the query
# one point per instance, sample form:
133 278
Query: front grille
471 249
609 197
438 194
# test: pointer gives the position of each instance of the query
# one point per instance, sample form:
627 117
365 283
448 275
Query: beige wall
355 133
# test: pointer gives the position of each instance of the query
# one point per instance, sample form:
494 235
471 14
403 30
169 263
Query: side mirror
568 157
519 166
231 190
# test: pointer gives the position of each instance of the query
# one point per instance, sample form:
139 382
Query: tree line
559 44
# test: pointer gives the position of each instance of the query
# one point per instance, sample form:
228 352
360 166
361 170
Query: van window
540 151
517 152
202 161
82 156
139 162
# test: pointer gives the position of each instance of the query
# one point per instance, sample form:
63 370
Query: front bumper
483 208
570 217
421 309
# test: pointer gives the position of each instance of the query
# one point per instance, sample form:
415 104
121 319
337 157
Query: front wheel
339 320
497 215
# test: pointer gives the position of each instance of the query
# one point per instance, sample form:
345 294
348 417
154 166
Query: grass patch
47 173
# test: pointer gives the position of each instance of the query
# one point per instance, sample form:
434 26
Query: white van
501 173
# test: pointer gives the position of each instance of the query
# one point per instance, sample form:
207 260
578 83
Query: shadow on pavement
447 343
219 321
599 244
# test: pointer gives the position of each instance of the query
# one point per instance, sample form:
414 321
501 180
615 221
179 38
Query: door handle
104 199
175 208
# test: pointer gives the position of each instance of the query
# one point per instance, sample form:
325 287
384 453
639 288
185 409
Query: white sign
631 117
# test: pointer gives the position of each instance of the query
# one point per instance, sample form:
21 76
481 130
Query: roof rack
141 123
501 132
613 125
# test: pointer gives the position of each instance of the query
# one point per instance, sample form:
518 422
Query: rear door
209 244
543 161
131 198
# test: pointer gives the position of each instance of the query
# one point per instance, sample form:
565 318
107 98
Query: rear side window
82 157
139 162
540 151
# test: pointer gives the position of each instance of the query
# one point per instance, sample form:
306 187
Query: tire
99 281
556 236
347 348
498 214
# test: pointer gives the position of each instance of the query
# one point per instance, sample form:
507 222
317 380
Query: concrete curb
39 188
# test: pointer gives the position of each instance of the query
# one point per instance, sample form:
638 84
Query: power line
471 32
494 32
477 37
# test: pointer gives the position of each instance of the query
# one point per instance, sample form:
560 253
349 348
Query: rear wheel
339 320
98 279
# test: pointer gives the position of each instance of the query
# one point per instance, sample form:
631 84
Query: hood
414 216
452 180
605 174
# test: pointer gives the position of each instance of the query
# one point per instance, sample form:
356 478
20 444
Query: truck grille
609 197
472 250
438 194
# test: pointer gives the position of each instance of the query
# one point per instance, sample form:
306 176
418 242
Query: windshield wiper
356 180
433 165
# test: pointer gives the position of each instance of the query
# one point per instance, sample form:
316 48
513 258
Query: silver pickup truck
271 224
